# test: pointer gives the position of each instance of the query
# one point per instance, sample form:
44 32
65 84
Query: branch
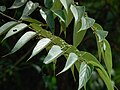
8 16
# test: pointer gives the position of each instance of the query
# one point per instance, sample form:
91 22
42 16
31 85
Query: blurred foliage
16 74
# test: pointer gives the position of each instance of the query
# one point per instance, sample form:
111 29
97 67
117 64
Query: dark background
17 74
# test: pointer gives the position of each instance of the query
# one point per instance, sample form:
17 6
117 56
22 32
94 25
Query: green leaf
40 46
56 5
70 61
53 54
48 17
78 12
60 14
86 23
23 40
15 30
66 4
78 36
29 8
2 8
108 57
4 28
69 17
84 74
96 26
31 20
48 3
18 3
101 34
91 59
107 81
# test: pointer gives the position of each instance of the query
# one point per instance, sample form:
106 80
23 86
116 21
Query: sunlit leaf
40 46
29 8
66 4
48 17
15 30
4 28
18 3
108 57
53 54
84 74
48 3
2 8
101 34
86 23
70 61
23 40
78 12
91 59
60 14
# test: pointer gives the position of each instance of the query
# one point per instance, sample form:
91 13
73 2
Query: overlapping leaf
84 74
60 14
56 5
66 4
23 40
70 61
48 3
108 57
15 30
91 59
86 23
40 46
78 36
29 8
48 17
53 54
78 12
101 34
18 3
7 26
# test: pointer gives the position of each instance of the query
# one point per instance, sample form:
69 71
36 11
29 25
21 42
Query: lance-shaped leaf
70 61
101 34
48 17
53 54
78 12
48 3
60 14
31 20
78 36
40 46
66 4
29 8
84 74
91 59
15 30
86 23
7 26
56 5
18 3
108 57
23 40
